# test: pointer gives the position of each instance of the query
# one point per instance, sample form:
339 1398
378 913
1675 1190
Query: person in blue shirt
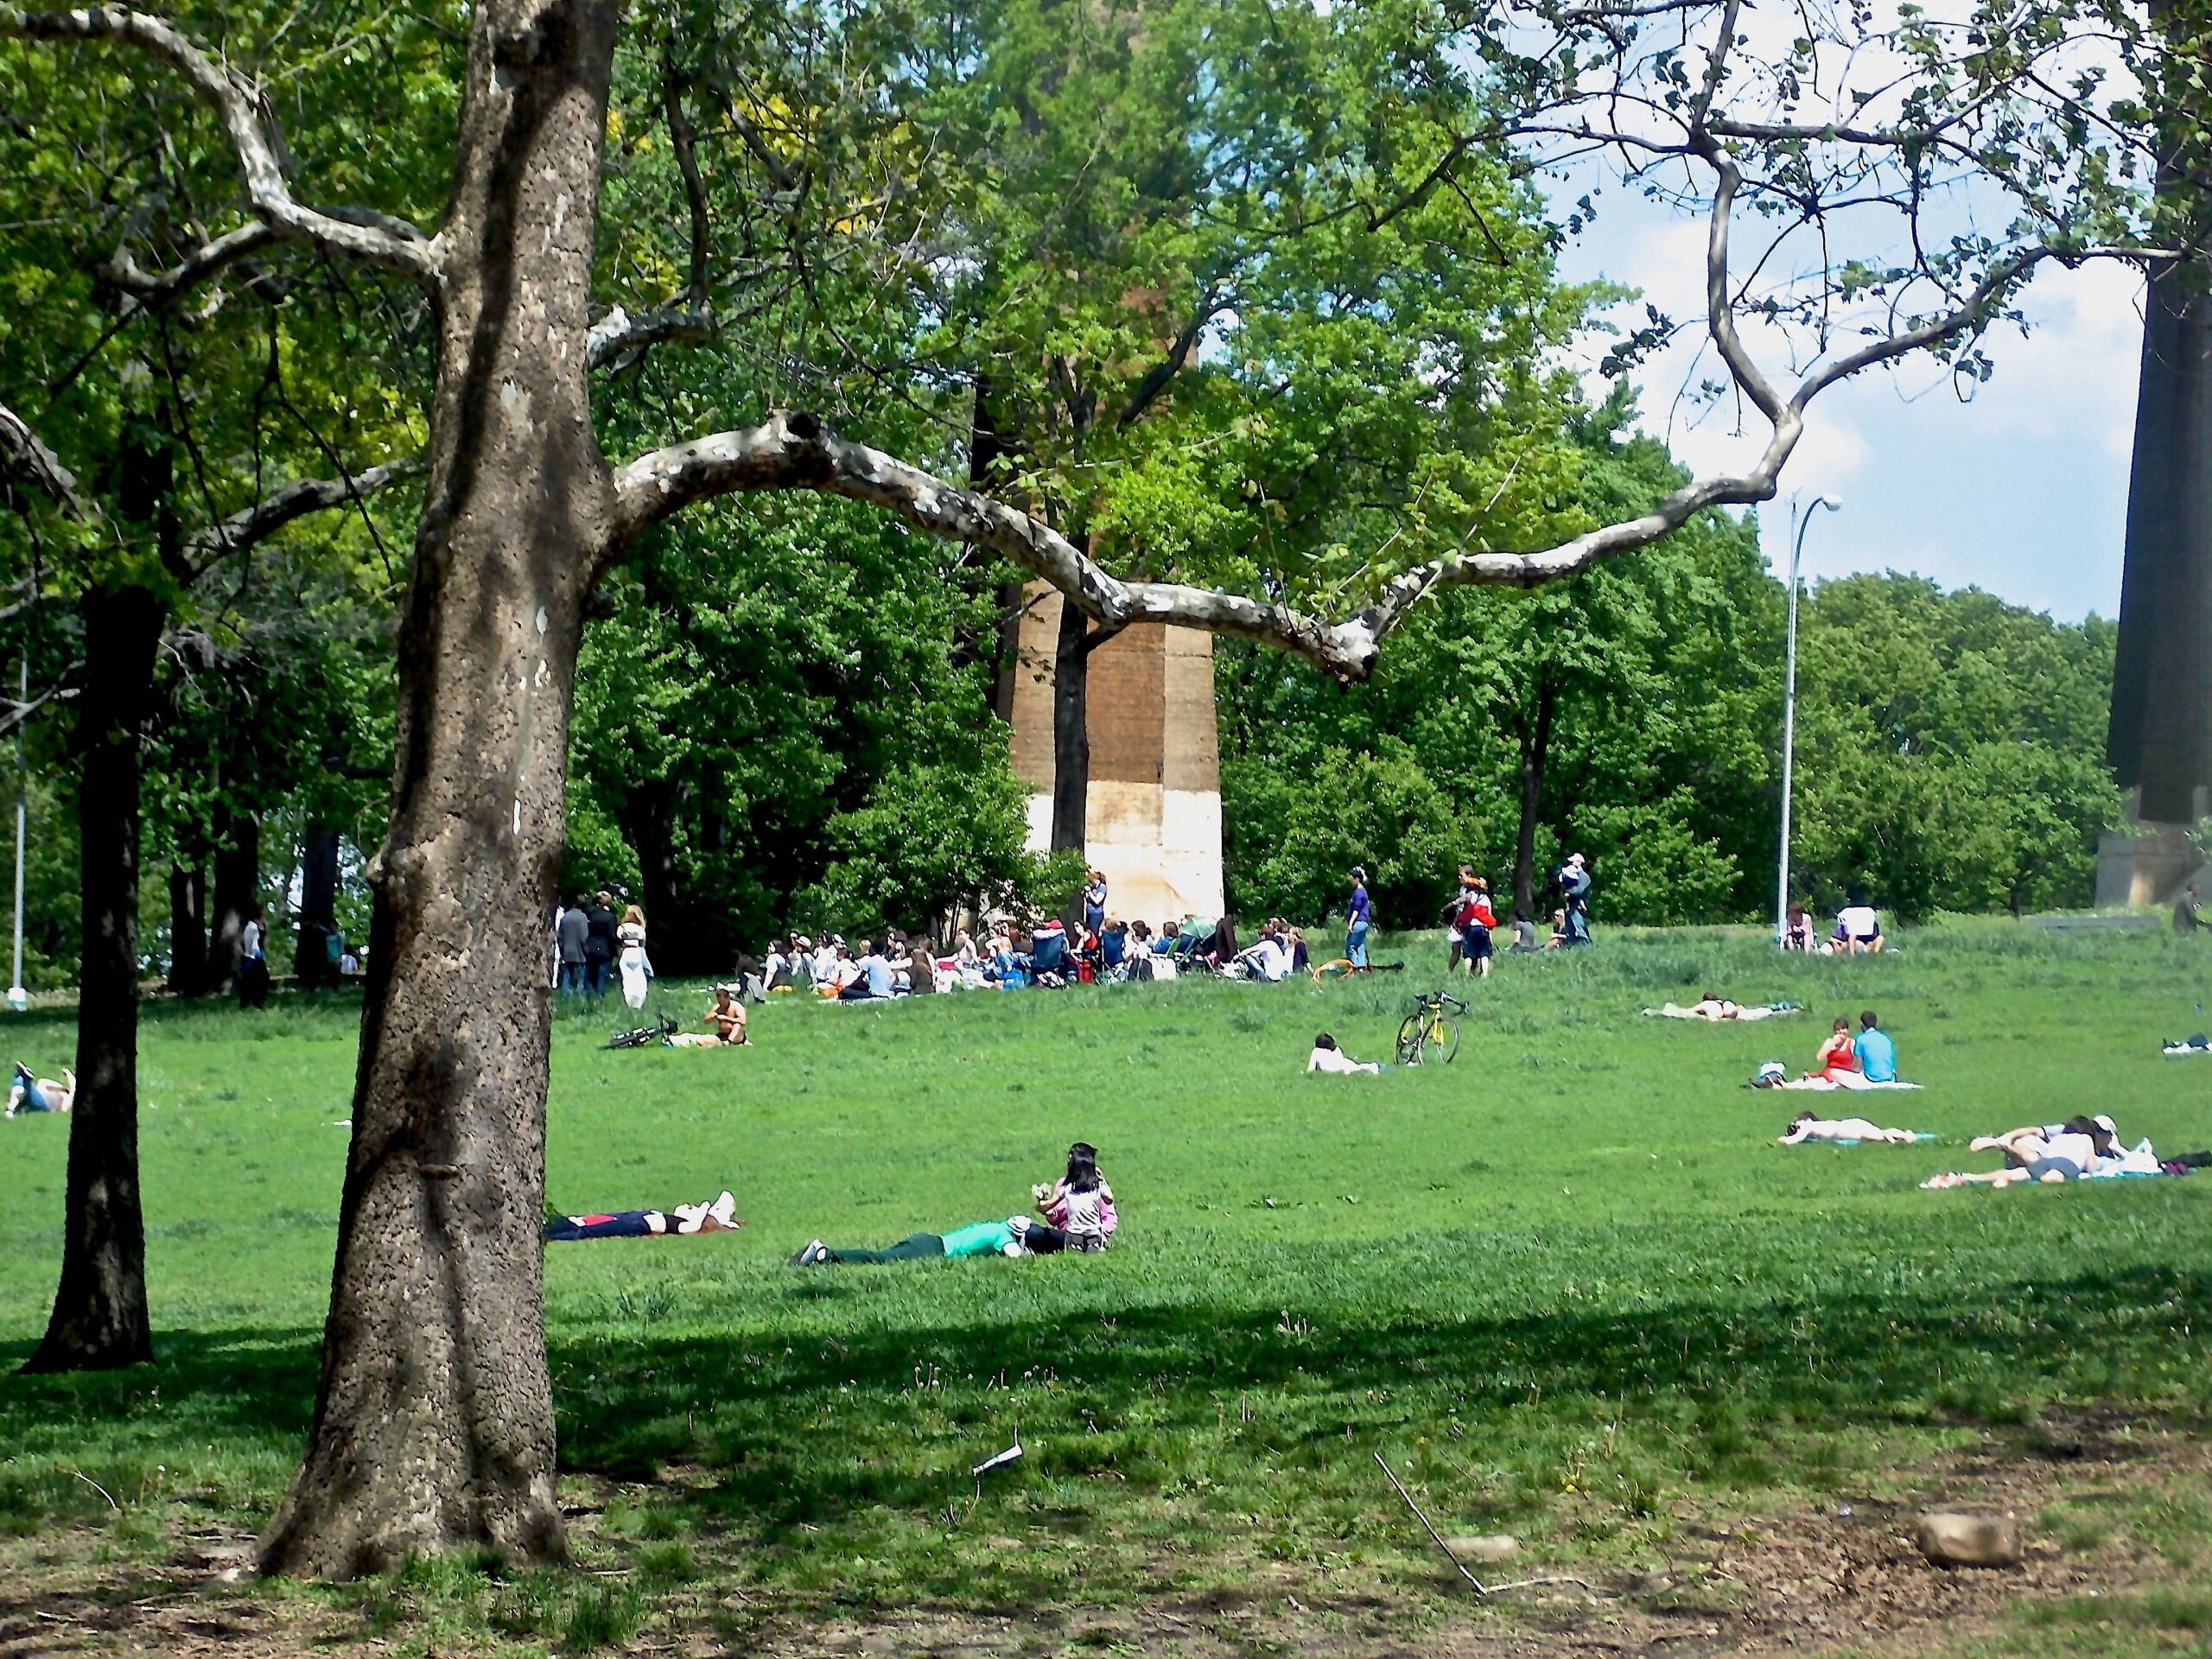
1878 1055
1357 915
1094 903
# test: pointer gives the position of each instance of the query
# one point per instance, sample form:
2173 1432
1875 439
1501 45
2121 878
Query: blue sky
2022 491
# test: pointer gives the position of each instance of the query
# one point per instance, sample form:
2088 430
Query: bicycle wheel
1446 1036
1409 1040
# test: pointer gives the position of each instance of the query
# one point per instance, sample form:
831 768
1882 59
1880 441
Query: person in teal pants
1016 1236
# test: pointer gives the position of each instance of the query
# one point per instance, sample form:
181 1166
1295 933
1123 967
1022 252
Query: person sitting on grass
30 1093
1015 1236
1858 929
1560 938
1269 959
873 977
1839 1056
1797 929
1079 1204
1878 1055
1327 1057
726 1015
1808 1127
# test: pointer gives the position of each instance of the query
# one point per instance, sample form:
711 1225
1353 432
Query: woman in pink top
1080 1204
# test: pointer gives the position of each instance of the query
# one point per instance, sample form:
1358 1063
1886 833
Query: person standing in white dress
636 970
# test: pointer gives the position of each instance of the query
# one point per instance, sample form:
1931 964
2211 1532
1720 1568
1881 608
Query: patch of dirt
1788 1583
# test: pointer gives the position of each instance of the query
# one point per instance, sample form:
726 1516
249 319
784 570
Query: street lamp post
1790 717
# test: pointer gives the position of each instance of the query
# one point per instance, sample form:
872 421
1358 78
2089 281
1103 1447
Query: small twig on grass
101 1490
1481 1589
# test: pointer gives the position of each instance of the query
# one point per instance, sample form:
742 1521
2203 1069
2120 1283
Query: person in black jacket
599 942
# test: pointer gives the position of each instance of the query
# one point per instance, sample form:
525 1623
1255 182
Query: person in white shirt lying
1327 1057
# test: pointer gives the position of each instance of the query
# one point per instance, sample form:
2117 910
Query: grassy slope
1569 1286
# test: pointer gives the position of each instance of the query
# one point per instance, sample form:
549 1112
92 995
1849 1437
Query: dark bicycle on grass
644 1036
1429 1031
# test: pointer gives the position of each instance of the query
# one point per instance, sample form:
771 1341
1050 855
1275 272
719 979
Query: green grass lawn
1568 1286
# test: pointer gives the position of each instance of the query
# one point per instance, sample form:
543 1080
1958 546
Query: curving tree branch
377 237
295 501
24 459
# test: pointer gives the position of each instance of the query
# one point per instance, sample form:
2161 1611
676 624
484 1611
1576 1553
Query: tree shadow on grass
806 1439
795 1429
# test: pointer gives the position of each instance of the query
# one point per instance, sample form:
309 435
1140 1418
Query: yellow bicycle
1428 1030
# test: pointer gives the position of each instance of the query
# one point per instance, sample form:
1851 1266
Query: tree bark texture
1536 749
238 891
1070 733
99 1318
433 1426
187 929
2161 732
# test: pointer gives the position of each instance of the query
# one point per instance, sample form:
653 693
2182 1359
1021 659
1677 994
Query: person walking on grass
1574 891
599 942
1359 915
637 971
253 964
1455 936
572 929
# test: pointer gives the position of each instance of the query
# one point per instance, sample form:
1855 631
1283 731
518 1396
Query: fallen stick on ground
1481 1589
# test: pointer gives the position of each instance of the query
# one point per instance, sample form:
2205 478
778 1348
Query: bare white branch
150 289
375 238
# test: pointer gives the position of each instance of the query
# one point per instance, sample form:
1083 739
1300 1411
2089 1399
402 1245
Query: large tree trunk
2161 733
237 890
1070 732
311 965
1536 749
100 1317
187 929
433 1424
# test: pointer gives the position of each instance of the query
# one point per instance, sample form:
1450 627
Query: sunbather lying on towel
1713 1006
1808 1127
2040 1152
2199 1043
718 1216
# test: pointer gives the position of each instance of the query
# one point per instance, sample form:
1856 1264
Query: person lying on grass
1805 1126
719 1216
1327 1057
30 1093
1015 1236
726 1015
1713 1006
2040 1152
1079 1204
